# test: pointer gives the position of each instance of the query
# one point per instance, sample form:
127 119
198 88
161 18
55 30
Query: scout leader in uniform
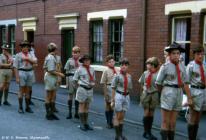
85 77
171 81
71 66
149 97
121 87
106 79
51 81
6 64
197 78
23 68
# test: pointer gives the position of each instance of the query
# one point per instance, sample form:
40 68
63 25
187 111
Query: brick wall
157 28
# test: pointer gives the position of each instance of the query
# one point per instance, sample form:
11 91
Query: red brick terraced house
136 29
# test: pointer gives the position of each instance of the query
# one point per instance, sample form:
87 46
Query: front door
67 45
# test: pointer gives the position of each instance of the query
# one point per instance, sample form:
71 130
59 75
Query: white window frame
173 29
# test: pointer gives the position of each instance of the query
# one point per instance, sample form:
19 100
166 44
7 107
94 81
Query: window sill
101 68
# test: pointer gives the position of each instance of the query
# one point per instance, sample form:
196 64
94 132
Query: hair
51 47
109 57
76 49
197 48
124 61
153 61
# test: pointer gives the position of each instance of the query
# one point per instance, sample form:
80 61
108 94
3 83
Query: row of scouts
169 81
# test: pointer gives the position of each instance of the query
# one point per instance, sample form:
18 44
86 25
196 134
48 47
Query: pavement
34 126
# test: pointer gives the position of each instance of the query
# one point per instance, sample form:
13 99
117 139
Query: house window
3 35
116 36
204 39
12 38
97 41
181 28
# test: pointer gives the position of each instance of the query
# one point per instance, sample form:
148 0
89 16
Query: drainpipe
143 36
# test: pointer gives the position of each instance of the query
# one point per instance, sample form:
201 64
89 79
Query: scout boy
149 97
71 66
121 87
85 77
171 81
106 79
51 81
197 77
6 64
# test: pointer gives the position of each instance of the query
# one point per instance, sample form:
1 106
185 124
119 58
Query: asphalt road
34 126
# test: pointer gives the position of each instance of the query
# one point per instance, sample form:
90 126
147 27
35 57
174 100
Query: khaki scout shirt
70 66
82 77
118 82
107 76
193 72
167 74
3 60
50 63
143 79
19 63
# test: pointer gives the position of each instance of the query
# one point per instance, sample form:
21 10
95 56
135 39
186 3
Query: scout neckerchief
113 69
149 79
178 74
201 71
125 81
91 78
26 55
76 61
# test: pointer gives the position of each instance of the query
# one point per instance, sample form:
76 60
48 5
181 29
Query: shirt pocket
170 76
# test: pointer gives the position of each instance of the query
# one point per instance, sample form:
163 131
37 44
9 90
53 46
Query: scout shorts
108 96
149 100
25 78
50 82
71 85
84 95
5 75
198 96
171 98
121 102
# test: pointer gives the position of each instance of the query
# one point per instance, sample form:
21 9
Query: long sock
20 103
171 135
6 92
150 124
146 124
190 129
116 127
70 106
196 126
107 117
120 129
111 112
164 134
82 120
76 103
1 94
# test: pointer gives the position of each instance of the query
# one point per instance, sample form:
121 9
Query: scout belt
69 74
85 87
122 93
198 87
25 69
174 86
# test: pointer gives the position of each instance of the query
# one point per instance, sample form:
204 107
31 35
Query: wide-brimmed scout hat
51 46
174 46
84 57
5 46
153 61
24 43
